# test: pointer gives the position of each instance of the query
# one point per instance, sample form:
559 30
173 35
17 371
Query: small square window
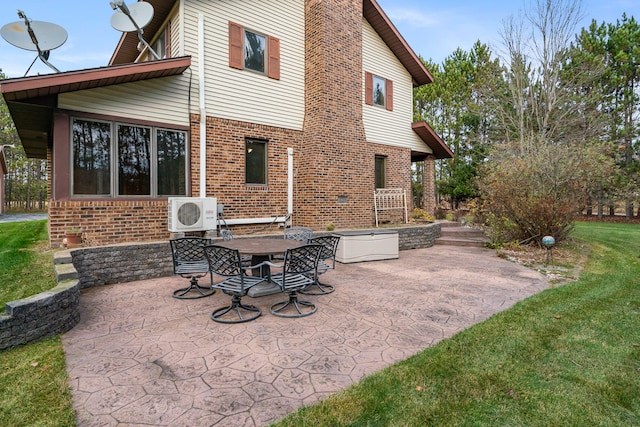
379 91
254 51
255 162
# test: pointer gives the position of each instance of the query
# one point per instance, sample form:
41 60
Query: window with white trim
378 91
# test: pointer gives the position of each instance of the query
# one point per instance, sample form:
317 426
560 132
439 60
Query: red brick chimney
334 169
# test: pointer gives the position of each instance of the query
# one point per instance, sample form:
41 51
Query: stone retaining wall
107 265
57 311
41 316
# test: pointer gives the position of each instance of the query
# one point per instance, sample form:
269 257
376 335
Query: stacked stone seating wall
58 310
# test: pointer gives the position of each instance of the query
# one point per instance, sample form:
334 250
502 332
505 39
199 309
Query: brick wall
106 222
333 163
336 171
429 183
226 167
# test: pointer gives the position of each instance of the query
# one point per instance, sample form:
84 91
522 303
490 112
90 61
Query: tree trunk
600 202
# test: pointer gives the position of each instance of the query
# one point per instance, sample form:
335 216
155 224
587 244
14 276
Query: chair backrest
224 261
226 234
302 234
188 254
301 260
329 246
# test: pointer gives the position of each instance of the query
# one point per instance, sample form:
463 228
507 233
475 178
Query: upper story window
378 91
254 51
117 159
255 162
162 44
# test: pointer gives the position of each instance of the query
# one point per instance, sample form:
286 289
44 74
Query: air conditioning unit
192 214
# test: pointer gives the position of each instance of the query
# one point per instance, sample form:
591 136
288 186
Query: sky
434 29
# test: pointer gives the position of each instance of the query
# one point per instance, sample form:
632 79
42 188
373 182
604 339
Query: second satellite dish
140 13
133 18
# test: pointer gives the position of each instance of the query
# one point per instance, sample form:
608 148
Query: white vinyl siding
161 100
241 94
383 126
176 50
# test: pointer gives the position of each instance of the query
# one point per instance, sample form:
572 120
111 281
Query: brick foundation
107 222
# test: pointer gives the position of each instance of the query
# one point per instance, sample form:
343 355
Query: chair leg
237 306
323 289
200 291
293 302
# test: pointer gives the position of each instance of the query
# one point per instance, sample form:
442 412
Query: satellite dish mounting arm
43 55
120 4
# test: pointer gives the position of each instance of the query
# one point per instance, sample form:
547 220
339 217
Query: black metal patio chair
190 262
227 263
227 236
298 272
302 234
327 262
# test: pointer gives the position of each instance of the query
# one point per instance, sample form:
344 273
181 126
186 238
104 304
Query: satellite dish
132 18
38 36
49 36
141 14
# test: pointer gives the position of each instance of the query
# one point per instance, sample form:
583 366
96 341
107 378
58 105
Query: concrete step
447 224
65 272
453 235
461 232
62 257
451 241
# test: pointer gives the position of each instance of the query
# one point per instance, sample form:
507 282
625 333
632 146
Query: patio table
260 250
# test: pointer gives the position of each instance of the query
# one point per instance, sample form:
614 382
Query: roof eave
32 100
381 23
127 49
430 137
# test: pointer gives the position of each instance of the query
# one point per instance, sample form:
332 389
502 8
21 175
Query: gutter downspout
203 108
290 185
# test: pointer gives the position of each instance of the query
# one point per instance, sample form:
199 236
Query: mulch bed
610 218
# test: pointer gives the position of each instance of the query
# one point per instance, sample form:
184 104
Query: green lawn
34 387
567 356
25 268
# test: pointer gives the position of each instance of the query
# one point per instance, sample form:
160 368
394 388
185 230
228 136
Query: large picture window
137 161
91 158
255 162
134 160
172 172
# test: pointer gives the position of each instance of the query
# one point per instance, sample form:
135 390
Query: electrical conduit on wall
203 108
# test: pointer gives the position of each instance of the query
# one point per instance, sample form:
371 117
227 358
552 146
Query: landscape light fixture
548 242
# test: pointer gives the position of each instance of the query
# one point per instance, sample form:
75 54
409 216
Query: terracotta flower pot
74 238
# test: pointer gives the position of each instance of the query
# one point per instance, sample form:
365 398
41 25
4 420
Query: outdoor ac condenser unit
192 214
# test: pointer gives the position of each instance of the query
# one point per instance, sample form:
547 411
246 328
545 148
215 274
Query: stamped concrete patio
142 358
